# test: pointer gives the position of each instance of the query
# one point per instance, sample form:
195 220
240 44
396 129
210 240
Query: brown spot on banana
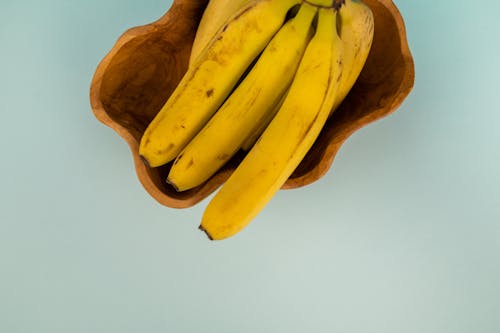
162 151
222 157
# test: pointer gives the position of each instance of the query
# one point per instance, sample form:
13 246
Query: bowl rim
314 174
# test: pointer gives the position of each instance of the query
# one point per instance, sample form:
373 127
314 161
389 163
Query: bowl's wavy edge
101 114
205 190
404 90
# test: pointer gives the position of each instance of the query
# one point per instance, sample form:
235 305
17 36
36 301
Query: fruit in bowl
256 98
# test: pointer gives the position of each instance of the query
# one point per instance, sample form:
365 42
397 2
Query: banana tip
206 232
171 183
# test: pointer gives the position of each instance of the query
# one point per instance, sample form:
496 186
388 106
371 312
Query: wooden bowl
136 77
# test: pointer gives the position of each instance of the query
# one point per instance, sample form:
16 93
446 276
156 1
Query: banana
355 20
215 15
261 126
286 140
209 81
356 31
247 107
356 23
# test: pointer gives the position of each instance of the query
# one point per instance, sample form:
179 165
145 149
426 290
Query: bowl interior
144 69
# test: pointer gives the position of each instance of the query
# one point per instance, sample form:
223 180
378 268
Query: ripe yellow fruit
247 107
286 140
210 80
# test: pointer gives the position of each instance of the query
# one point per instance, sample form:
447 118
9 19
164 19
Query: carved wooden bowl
136 77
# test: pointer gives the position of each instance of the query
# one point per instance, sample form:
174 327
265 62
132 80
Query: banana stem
337 4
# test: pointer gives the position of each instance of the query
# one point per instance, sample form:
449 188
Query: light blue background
402 235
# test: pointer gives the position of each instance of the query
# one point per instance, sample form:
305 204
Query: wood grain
137 76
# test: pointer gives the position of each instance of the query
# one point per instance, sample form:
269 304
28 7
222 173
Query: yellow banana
356 22
247 106
356 31
215 15
209 81
286 140
250 141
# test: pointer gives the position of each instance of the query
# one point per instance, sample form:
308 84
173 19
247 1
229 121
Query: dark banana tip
171 183
206 232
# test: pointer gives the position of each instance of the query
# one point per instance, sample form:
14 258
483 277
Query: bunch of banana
264 77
